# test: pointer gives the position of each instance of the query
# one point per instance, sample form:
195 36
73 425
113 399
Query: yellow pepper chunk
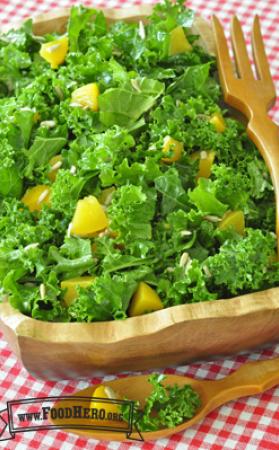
87 96
178 42
144 300
71 285
110 411
55 52
89 217
105 392
176 147
206 160
218 121
37 196
55 163
234 219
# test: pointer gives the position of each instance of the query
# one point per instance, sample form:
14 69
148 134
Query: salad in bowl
126 185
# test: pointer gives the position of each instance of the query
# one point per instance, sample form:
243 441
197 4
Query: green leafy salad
166 407
125 186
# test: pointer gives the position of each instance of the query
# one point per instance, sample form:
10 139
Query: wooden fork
253 97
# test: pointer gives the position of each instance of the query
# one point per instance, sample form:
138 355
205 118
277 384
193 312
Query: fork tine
260 58
226 73
240 51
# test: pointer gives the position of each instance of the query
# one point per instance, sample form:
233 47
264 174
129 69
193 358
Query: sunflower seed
207 271
188 265
56 166
212 218
34 245
26 108
104 233
184 259
48 123
141 30
185 233
152 147
203 155
43 196
42 291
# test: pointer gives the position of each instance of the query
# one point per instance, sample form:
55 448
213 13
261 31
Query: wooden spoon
252 378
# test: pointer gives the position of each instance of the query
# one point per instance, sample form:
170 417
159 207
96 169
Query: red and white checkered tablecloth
251 423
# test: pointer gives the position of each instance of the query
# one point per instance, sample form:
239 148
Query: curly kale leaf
166 406
244 264
107 298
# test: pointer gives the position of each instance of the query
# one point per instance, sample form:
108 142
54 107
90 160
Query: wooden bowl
170 336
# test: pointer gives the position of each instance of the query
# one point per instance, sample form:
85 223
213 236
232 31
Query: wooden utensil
253 97
252 378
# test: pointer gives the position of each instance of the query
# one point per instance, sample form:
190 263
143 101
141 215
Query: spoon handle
252 378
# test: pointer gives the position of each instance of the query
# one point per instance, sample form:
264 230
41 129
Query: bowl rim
112 331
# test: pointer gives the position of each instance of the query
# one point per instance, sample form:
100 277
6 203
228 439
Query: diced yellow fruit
176 147
206 160
105 392
89 218
71 285
234 219
106 413
178 42
55 52
55 164
144 300
106 195
87 96
37 196
218 121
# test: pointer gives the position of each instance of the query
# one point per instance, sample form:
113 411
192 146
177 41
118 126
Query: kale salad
125 185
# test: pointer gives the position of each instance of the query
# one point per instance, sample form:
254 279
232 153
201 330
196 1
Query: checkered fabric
250 423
